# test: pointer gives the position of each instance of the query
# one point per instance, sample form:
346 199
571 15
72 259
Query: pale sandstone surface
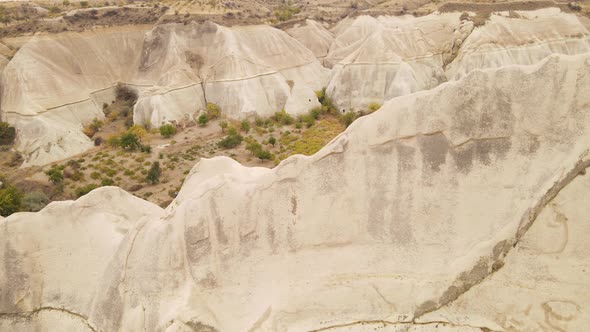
54 260
409 209
526 39
313 35
55 84
543 285
376 59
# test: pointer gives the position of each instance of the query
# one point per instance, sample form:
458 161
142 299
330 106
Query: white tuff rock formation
55 84
411 207
376 59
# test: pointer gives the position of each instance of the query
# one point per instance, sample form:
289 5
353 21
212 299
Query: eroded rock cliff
406 221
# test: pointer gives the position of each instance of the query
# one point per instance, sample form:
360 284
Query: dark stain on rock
221 237
530 144
434 150
209 282
406 156
463 157
293 205
197 241
485 149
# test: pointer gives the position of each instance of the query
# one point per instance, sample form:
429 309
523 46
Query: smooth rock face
314 36
410 208
54 85
68 246
376 59
544 282
525 38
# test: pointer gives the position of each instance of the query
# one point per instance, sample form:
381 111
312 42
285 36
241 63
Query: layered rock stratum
459 208
57 83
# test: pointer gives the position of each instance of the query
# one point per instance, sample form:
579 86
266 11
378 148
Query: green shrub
327 103
348 118
272 141
372 107
232 140
258 121
129 141
84 4
307 119
202 120
7 133
213 111
167 130
77 176
153 175
113 141
223 125
282 118
55 175
254 147
95 175
145 148
107 182
81 191
264 154
34 201
10 200
245 126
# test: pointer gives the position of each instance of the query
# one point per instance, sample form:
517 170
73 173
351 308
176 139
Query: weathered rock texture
403 222
376 59
55 84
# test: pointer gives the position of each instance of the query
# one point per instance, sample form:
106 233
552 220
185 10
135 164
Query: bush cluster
167 130
7 133
232 139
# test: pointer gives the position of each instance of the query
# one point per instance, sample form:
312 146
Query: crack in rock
30 314
486 266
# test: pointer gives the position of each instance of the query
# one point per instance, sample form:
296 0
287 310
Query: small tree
153 175
213 111
272 141
167 130
348 118
10 200
223 125
203 119
263 154
55 175
254 147
129 141
245 126
232 139
7 133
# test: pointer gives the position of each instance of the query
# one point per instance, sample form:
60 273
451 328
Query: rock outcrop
376 59
53 85
520 38
313 35
411 207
